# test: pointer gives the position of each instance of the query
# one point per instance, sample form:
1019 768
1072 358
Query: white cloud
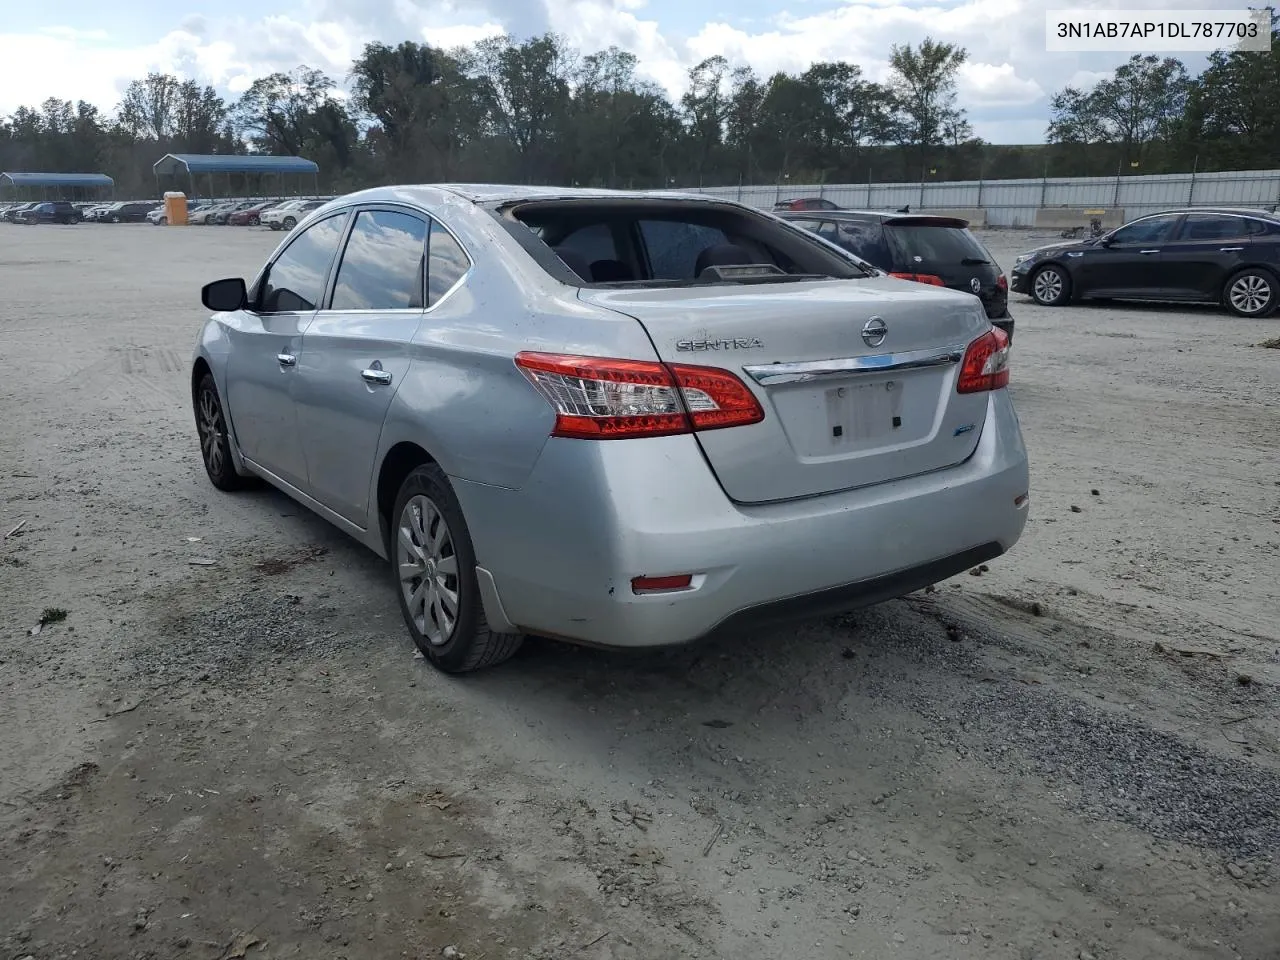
1004 85
995 85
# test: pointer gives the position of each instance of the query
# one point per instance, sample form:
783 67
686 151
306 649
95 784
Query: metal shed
253 172
74 186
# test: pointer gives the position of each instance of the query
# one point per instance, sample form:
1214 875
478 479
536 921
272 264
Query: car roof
489 193
1234 211
889 217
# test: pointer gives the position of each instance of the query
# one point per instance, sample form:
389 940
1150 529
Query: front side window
448 264
295 281
1152 230
383 264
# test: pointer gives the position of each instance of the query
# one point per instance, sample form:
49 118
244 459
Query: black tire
1252 293
115 220
1050 286
426 499
289 223
254 221
215 450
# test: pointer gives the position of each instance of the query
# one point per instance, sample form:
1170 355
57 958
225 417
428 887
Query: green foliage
538 111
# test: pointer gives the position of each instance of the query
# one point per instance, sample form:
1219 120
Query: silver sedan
623 419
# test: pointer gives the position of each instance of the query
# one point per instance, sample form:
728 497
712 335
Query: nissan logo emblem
975 284
874 331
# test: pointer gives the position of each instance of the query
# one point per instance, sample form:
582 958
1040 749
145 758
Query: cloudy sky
87 49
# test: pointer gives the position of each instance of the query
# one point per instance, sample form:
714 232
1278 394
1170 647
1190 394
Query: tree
276 114
413 92
706 107
1138 105
199 115
149 106
923 82
1233 110
527 89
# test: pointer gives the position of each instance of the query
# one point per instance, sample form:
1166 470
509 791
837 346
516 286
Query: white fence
1013 203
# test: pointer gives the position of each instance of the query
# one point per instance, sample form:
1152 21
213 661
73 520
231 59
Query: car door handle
376 376
1230 249
1144 252
286 359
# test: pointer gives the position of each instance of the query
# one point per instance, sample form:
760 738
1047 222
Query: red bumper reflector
661 584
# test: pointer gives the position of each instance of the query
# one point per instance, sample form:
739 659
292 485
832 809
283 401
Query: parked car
127 211
95 212
611 417
10 213
50 211
208 214
940 251
287 215
1222 255
806 203
250 216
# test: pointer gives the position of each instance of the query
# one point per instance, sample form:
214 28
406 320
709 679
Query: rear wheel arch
401 460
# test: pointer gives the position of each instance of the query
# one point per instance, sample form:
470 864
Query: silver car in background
621 419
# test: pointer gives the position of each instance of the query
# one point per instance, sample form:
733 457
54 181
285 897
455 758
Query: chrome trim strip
771 374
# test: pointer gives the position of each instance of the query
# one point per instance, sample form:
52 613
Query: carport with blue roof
56 186
241 174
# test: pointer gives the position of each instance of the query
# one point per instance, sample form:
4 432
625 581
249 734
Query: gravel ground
1073 754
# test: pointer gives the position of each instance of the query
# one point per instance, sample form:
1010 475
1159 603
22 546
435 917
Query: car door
357 351
266 343
1206 250
1126 261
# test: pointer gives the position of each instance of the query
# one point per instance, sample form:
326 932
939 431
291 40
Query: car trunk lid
841 411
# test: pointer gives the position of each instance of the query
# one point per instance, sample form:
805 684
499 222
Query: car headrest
609 271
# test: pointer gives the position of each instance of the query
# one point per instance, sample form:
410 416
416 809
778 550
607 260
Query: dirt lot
1075 754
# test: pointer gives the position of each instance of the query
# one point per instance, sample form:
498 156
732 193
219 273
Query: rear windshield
662 243
932 244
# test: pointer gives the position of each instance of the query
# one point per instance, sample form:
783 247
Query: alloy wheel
428 565
1048 286
1249 294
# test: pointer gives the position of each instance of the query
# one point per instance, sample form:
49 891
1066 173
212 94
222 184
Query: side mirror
1106 241
223 296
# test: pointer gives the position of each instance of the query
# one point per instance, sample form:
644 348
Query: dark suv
927 249
51 211
130 211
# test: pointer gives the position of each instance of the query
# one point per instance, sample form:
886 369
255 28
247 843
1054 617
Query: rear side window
295 281
944 245
384 264
673 246
449 263
865 239
1208 226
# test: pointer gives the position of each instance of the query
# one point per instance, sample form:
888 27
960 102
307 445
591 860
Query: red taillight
928 278
596 398
986 363
1002 283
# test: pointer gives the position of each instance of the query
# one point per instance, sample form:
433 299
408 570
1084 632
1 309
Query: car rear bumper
562 550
